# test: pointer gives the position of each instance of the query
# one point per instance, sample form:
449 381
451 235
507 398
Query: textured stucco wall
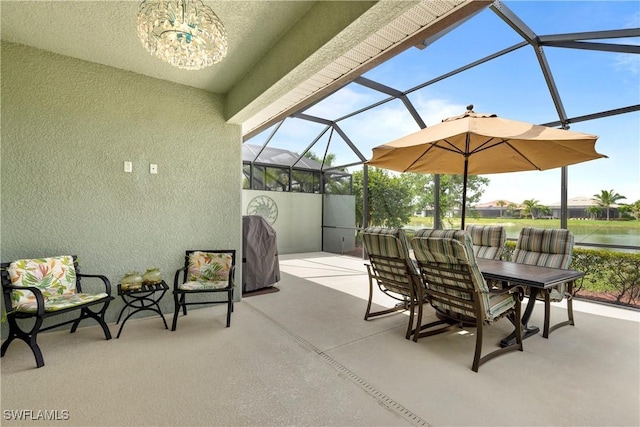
67 128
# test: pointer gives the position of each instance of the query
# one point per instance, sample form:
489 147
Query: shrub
615 273
606 271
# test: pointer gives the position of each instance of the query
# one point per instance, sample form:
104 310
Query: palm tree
607 198
593 212
500 204
530 207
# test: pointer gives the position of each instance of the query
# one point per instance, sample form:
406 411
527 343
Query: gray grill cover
260 266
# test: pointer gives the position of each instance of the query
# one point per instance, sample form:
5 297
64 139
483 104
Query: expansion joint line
382 398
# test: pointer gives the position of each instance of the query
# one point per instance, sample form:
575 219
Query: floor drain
382 398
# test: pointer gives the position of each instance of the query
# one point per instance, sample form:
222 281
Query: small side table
145 298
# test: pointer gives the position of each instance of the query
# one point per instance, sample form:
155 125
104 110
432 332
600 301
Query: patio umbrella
476 143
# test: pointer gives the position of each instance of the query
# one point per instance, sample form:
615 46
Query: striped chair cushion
388 242
453 249
546 247
488 240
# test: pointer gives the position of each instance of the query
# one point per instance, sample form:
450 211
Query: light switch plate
153 168
128 167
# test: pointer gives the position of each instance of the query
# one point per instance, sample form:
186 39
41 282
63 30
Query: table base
526 333
145 299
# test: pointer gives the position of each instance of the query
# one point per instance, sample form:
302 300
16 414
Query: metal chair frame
545 294
456 289
30 336
394 279
180 295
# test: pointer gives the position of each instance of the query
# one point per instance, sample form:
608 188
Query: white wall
339 212
299 218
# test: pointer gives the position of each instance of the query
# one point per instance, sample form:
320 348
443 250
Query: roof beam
512 20
468 66
268 140
311 146
530 36
394 93
349 142
591 35
605 47
599 115
336 128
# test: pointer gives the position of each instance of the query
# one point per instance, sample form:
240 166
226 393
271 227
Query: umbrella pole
464 191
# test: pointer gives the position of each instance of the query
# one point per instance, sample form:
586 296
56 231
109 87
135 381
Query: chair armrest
8 288
176 278
105 281
232 276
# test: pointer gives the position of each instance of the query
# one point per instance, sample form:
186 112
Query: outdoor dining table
536 278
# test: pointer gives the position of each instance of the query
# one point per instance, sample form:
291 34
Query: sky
512 87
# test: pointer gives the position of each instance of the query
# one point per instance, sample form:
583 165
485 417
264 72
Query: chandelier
184 33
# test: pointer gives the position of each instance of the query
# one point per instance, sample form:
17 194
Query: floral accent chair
205 272
394 272
548 247
44 287
455 284
488 240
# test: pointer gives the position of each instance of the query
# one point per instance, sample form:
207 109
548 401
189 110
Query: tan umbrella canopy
475 143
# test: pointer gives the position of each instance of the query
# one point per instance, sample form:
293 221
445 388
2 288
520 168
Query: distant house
495 210
578 207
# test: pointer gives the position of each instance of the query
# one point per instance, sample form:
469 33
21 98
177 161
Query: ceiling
281 54
104 32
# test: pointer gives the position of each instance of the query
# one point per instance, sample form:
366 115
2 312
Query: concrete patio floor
305 356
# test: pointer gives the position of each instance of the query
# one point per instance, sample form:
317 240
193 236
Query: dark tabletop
523 274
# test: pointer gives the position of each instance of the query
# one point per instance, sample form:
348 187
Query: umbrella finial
470 108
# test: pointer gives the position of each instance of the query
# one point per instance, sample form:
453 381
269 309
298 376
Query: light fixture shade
184 33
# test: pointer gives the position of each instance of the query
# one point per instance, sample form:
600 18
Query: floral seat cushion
207 270
55 277
61 302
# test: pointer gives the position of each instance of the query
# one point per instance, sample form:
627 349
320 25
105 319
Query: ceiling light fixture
184 33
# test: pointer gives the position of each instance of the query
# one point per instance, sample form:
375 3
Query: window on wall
305 181
274 178
246 176
260 177
257 177
337 183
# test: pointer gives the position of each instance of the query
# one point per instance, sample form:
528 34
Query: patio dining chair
205 273
455 285
548 247
393 271
488 240
485 244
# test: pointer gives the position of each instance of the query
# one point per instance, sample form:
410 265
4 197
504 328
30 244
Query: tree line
394 198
